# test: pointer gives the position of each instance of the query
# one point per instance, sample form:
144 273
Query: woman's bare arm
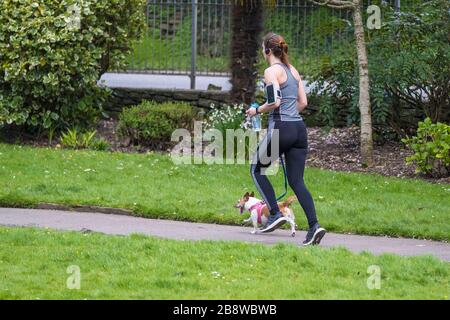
270 76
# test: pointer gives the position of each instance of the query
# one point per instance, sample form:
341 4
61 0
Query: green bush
226 117
52 53
76 140
431 148
152 124
337 91
232 117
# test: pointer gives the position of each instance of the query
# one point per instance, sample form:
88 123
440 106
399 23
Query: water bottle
256 119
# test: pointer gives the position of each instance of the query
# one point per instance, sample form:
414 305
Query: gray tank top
289 93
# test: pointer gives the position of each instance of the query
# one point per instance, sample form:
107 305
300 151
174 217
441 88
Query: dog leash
256 105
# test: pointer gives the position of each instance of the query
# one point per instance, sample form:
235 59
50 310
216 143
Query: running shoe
274 221
314 235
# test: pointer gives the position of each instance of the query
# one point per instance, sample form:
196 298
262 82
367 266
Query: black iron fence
192 37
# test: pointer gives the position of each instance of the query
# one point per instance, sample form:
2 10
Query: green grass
153 53
162 54
152 186
34 262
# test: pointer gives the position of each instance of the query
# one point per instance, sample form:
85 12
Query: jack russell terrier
259 211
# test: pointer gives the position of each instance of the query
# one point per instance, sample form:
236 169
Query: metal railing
184 37
192 37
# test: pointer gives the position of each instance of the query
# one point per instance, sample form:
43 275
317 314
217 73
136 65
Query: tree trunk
247 25
364 97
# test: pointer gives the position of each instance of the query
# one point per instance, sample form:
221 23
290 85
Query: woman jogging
286 135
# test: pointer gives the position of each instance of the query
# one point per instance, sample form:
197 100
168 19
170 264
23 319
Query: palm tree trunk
247 25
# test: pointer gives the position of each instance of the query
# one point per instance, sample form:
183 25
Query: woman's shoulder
275 69
272 68
294 72
279 70
271 71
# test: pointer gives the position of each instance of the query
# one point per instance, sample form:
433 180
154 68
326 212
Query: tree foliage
412 57
409 67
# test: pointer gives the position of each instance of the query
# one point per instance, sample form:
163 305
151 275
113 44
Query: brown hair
277 45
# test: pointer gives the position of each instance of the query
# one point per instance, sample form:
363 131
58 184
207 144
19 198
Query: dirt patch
339 150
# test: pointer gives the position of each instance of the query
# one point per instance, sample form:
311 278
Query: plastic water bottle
256 119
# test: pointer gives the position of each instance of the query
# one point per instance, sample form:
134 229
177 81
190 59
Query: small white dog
259 211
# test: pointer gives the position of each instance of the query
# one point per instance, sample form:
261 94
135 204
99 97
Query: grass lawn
152 186
162 54
34 262
174 55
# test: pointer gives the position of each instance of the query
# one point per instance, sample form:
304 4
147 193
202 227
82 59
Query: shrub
431 148
232 117
152 124
52 54
76 140
226 117
336 88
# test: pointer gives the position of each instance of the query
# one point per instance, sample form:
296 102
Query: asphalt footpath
114 224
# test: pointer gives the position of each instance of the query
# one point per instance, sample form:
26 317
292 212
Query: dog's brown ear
252 194
246 195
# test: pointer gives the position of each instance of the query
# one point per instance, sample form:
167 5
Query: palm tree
247 26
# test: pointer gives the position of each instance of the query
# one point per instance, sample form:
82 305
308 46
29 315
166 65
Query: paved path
123 225
145 81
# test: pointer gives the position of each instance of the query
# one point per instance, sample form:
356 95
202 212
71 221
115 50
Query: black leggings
292 140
